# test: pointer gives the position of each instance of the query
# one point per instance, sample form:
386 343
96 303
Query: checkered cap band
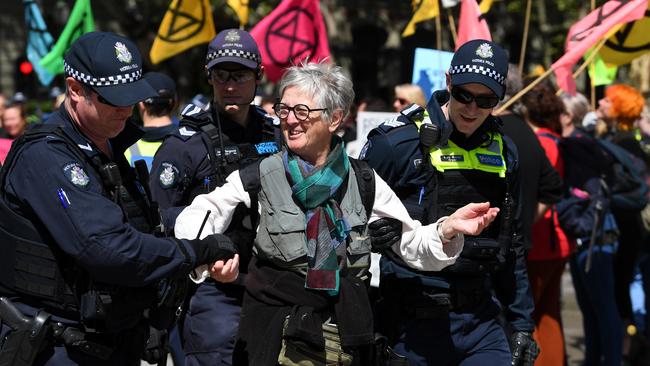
462 69
103 81
233 53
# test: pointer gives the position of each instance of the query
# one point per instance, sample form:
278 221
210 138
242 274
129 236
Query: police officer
157 120
82 278
437 160
208 146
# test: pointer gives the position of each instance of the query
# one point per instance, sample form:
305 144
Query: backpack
250 177
587 197
627 185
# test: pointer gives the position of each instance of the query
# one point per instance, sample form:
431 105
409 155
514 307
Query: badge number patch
76 174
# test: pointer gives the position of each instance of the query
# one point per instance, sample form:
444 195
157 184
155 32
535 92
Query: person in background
541 185
587 165
209 144
312 248
14 120
406 94
620 109
156 113
437 160
551 247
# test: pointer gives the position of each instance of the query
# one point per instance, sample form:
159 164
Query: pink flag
5 145
472 24
588 30
292 32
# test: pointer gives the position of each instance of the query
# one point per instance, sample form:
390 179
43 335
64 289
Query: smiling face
310 139
468 117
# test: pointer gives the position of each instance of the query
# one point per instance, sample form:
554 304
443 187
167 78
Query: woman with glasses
437 160
207 146
313 243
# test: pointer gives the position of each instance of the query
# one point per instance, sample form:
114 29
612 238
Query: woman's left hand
225 271
470 219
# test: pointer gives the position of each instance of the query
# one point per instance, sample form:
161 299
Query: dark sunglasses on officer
239 76
482 101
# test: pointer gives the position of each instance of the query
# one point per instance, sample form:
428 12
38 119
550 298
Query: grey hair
325 83
578 106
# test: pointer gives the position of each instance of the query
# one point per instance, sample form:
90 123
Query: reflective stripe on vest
486 158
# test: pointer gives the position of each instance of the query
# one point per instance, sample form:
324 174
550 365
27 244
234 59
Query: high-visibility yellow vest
486 158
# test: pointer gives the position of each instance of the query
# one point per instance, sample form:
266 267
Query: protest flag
39 40
241 9
80 22
485 6
589 30
291 33
186 23
629 42
471 24
422 10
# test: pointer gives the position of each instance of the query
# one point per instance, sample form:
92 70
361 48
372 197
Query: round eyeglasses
301 111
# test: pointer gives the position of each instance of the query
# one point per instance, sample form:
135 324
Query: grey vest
281 237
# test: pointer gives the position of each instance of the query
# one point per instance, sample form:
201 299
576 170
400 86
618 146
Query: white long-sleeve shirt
420 246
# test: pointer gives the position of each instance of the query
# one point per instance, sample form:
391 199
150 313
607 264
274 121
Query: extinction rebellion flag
186 24
292 32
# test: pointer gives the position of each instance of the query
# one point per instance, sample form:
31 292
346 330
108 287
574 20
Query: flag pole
524 41
452 26
523 91
438 32
592 87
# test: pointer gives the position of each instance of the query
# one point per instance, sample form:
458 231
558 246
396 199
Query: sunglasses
301 111
238 76
482 101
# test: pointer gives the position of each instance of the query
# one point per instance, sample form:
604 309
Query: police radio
429 135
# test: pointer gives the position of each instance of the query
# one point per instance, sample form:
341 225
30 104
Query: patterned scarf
326 228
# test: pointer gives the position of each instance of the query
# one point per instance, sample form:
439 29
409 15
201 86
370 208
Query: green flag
601 73
80 22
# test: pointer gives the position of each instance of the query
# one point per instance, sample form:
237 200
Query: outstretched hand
470 219
225 271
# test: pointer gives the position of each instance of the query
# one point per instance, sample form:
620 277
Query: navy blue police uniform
197 158
451 317
79 253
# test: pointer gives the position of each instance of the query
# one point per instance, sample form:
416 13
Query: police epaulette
395 122
413 112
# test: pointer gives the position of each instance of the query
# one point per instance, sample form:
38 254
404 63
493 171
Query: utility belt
29 336
426 296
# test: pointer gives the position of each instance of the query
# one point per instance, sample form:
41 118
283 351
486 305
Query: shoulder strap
250 178
365 182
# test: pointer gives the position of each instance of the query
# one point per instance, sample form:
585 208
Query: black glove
384 233
213 248
524 349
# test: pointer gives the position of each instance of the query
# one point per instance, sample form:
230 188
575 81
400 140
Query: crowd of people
236 234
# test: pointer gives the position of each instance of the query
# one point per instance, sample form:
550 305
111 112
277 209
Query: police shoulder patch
493 160
76 174
168 175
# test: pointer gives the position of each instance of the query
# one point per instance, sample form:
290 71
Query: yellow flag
186 24
485 6
241 8
629 42
423 10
